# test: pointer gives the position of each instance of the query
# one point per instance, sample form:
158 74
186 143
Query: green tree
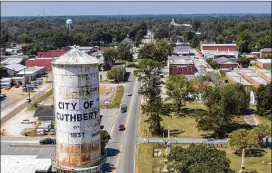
115 73
243 138
243 41
110 55
264 99
243 61
199 158
148 72
212 63
177 89
124 52
105 137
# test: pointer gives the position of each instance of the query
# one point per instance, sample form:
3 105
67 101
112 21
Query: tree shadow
107 167
126 77
254 152
112 152
236 126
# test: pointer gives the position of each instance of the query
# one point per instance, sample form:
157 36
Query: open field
104 90
145 160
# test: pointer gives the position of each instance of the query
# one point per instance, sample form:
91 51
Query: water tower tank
69 23
77 116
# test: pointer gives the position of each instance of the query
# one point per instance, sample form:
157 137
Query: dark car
121 127
47 141
123 108
28 100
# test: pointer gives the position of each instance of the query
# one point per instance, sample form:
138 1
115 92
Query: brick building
219 50
181 66
51 53
264 63
265 52
253 78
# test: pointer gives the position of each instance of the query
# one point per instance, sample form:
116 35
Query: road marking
130 106
118 158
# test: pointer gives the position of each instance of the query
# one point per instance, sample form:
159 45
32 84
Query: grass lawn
263 120
251 163
39 100
104 90
117 100
145 160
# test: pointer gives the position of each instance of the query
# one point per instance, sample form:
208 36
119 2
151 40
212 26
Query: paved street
122 146
183 141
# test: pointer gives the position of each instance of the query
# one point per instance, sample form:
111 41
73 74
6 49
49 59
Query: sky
129 8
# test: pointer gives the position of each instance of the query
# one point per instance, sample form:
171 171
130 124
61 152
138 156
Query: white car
26 121
129 94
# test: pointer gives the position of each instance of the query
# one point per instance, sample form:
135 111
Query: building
25 164
31 73
178 65
237 78
226 63
40 62
6 82
128 41
13 69
11 60
264 63
51 54
219 50
85 49
253 78
265 74
265 52
173 23
44 113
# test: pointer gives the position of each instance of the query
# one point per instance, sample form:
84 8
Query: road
122 146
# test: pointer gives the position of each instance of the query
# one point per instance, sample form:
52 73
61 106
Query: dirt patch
104 90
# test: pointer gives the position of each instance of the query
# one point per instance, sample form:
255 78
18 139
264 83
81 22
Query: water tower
77 116
69 23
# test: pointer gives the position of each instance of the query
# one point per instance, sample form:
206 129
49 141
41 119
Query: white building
31 73
13 69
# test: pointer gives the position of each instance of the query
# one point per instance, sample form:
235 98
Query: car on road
129 94
26 121
47 141
123 108
3 95
28 100
121 127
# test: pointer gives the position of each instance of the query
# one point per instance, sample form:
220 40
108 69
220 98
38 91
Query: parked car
123 108
121 127
17 86
26 121
46 127
129 94
40 132
3 95
52 132
28 100
7 87
47 141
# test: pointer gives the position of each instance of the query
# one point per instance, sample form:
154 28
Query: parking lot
8 148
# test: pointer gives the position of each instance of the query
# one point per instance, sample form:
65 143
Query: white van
40 132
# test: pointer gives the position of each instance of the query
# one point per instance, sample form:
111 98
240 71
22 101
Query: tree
212 63
148 72
104 137
243 61
110 55
199 158
115 73
242 138
264 99
222 103
124 52
177 89
244 40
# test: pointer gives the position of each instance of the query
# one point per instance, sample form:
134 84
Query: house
11 60
219 50
44 113
264 63
128 41
13 69
31 73
226 63
181 66
265 52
